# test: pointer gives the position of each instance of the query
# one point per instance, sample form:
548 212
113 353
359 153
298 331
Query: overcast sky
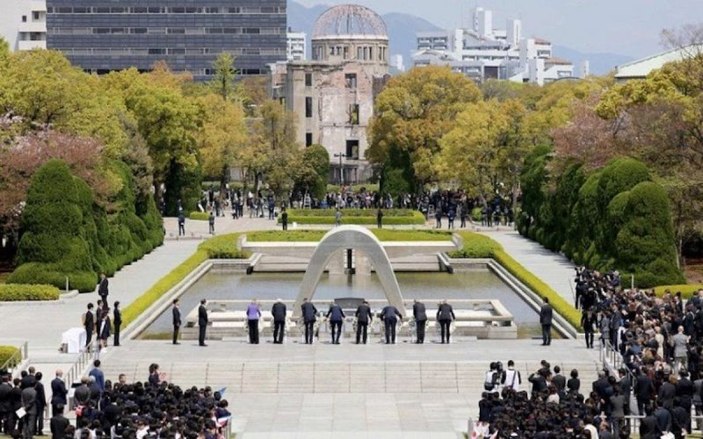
627 27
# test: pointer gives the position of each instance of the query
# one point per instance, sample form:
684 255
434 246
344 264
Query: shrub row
687 290
616 218
481 246
571 314
475 246
316 235
199 216
7 352
67 234
415 219
20 292
161 287
223 247
219 247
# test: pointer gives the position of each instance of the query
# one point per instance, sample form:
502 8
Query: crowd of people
658 339
150 409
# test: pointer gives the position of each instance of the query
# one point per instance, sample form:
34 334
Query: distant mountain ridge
403 27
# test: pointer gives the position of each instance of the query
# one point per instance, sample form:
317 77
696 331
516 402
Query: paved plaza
294 390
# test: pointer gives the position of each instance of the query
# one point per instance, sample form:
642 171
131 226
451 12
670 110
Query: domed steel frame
349 20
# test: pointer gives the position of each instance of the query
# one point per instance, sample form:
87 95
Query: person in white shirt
511 377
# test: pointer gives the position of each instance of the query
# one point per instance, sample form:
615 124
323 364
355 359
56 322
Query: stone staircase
335 377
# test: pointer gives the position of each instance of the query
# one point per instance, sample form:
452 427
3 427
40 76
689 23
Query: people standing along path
545 319
117 322
445 315
336 317
363 318
390 316
420 316
103 289
253 316
89 325
278 312
202 322
309 313
176 320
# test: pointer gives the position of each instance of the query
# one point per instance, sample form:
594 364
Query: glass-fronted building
105 35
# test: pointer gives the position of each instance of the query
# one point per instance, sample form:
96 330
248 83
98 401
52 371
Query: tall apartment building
23 24
105 35
486 52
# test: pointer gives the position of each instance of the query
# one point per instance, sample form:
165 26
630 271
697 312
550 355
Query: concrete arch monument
342 238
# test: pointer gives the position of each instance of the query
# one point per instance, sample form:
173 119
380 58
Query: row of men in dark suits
28 393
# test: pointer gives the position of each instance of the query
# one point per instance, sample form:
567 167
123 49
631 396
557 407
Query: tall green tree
411 115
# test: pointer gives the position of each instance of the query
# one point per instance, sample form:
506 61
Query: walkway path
552 268
42 324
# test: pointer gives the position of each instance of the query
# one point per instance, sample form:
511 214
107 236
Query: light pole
341 170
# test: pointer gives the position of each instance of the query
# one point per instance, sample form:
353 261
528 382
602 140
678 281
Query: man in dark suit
117 322
644 392
176 312
41 405
363 318
336 317
309 313
545 319
445 315
278 312
89 325
420 316
29 403
58 423
58 393
102 289
390 316
5 402
202 322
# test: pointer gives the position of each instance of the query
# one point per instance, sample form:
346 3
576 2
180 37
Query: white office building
23 24
486 52
296 45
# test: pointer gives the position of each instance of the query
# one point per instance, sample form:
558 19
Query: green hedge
687 290
7 352
571 314
223 247
316 235
52 274
199 216
481 246
476 246
23 292
162 286
371 187
219 247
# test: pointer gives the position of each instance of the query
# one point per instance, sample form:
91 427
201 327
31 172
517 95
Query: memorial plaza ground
319 391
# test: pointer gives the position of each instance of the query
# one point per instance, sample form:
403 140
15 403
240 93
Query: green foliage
67 234
21 292
161 287
7 352
644 243
199 216
312 171
687 290
561 306
476 214
53 274
223 247
476 246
